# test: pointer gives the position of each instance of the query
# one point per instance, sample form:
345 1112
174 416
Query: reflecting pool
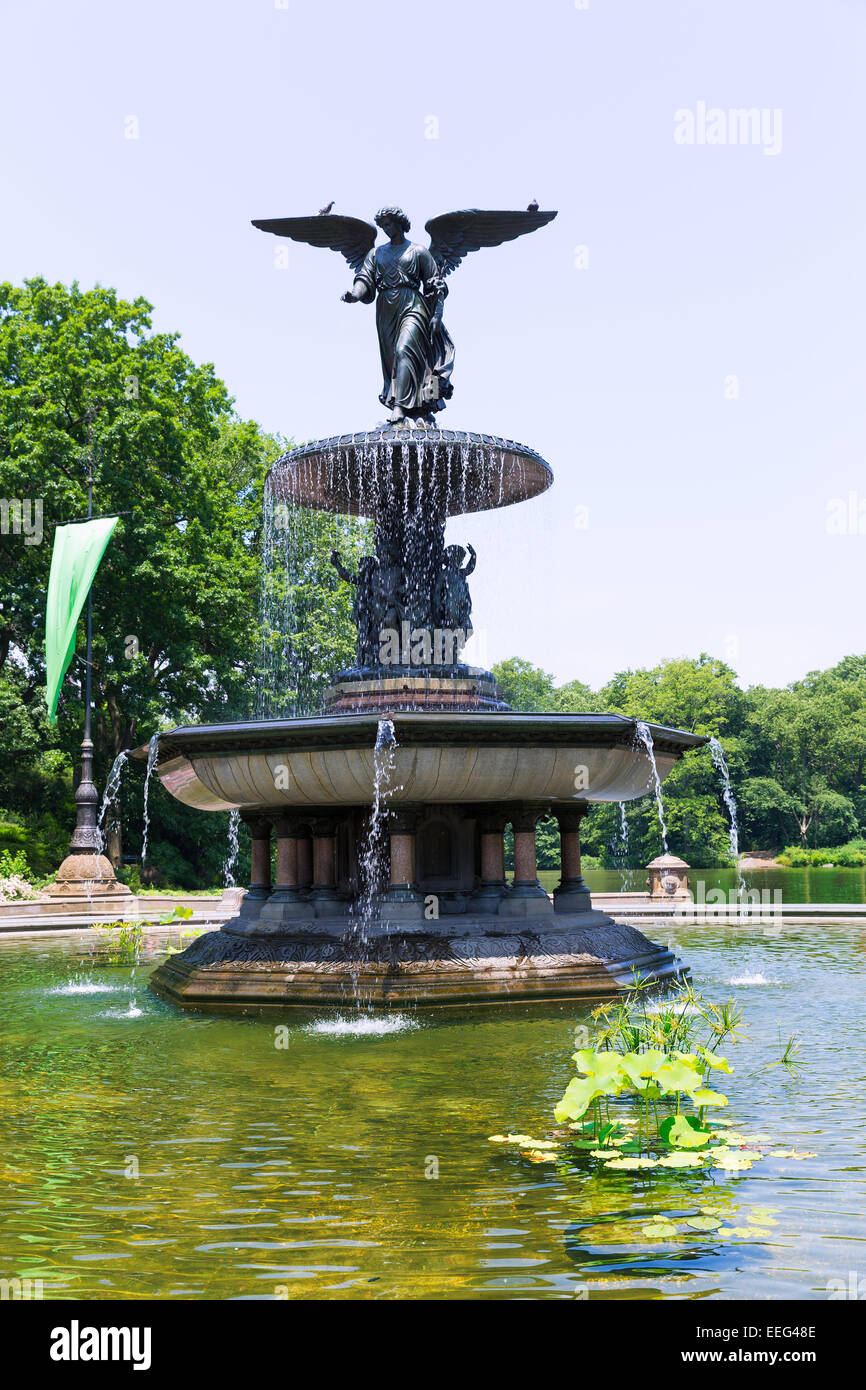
150 1153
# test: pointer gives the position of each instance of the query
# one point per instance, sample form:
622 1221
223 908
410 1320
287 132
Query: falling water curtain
78 549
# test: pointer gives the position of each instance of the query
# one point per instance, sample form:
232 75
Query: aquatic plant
643 1095
124 945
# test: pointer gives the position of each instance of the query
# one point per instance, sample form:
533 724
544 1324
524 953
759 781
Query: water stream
231 858
112 788
720 763
152 751
619 849
372 850
643 734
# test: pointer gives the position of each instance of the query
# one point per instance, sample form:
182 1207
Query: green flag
75 559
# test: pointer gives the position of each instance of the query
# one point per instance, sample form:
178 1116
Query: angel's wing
348 235
454 234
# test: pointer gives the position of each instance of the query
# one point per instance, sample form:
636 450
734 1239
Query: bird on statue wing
323 212
407 281
533 206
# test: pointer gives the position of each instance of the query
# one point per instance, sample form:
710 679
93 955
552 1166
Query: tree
526 688
701 696
176 600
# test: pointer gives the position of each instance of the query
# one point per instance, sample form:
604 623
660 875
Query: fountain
389 808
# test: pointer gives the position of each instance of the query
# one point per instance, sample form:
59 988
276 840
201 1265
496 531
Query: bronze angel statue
408 283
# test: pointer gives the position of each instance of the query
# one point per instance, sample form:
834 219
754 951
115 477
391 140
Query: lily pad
603 1065
636 1162
732 1163
705 1096
684 1132
604 1153
682 1160
703 1223
760 1216
641 1066
660 1230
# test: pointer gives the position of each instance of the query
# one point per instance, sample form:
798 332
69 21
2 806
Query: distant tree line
796 757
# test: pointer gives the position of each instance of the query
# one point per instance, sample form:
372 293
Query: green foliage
525 687
849 856
176 602
797 758
125 938
629 1102
13 864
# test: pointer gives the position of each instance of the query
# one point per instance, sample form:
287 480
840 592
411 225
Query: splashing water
85 986
644 734
112 787
369 1025
152 751
720 764
231 858
373 844
132 1011
372 859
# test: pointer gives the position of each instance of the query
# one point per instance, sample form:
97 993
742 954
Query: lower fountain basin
329 761
582 955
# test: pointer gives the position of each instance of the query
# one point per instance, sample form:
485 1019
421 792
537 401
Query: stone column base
86 876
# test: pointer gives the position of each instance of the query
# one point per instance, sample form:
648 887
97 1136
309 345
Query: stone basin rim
521 473
419 729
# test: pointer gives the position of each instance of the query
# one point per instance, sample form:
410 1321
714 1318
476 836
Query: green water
307 1172
795 885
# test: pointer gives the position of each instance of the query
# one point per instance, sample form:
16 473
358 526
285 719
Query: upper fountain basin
448 472
328 761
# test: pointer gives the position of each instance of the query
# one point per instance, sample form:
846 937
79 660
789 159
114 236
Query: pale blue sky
707 516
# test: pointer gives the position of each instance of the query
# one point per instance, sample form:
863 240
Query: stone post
260 877
259 889
571 894
324 890
668 878
305 860
403 898
287 901
526 897
494 886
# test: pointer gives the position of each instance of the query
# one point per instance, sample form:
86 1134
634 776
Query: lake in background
795 885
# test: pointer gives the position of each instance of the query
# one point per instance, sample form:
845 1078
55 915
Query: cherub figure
452 603
362 604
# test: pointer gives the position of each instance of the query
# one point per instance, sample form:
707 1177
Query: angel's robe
416 370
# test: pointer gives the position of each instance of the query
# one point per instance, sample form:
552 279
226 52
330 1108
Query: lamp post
86 871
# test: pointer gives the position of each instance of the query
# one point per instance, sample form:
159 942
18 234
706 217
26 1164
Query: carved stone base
86 876
467 960
460 688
